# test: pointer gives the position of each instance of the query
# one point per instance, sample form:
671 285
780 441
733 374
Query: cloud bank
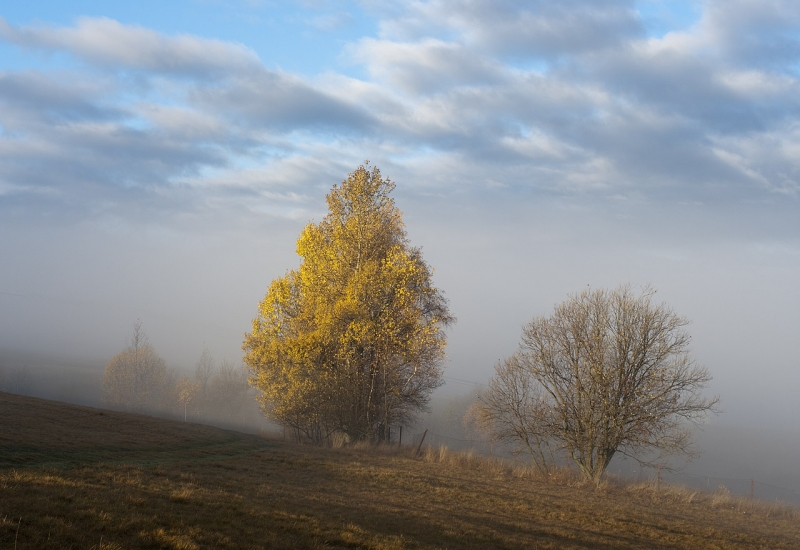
547 97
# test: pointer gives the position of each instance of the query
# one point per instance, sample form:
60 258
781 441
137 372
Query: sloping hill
76 477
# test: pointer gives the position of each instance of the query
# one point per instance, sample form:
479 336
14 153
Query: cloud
32 97
95 142
654 113
768 160
426 66
454 98
754 31
111 44
268 99
539 28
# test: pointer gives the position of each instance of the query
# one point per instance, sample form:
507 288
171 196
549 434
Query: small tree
608 372
135 378
187 393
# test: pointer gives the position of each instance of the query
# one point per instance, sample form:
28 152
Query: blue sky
159 160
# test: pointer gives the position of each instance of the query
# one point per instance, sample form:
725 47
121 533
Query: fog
742 460
71 312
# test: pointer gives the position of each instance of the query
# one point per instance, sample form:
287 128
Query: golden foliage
352 341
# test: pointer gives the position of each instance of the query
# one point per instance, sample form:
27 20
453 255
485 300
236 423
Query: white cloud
538 28
109 43
769 159
429 65
184 122
269 99
759 85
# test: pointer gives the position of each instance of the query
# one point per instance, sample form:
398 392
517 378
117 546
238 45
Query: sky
158 161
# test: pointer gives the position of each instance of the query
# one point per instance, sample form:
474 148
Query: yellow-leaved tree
353 340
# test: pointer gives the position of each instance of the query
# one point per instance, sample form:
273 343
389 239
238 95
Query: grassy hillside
76 477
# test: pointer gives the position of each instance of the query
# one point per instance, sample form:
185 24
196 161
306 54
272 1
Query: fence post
419 447
658 485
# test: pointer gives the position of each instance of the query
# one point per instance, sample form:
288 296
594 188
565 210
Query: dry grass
721 499
84 478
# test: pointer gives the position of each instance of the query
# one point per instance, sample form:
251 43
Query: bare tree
135 379
204 370
608 372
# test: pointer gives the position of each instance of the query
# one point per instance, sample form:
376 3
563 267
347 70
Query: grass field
76 477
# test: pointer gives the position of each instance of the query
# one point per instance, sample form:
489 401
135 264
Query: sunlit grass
186 486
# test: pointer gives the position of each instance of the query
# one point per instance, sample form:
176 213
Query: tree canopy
608 372
353 340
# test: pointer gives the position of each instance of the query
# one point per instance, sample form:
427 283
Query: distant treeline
138 380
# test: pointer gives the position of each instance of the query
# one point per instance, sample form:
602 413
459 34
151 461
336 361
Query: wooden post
419 447
659 476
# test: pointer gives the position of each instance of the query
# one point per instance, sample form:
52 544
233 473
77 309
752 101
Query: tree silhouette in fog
134 379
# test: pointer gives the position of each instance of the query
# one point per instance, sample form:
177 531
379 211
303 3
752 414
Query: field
77 477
